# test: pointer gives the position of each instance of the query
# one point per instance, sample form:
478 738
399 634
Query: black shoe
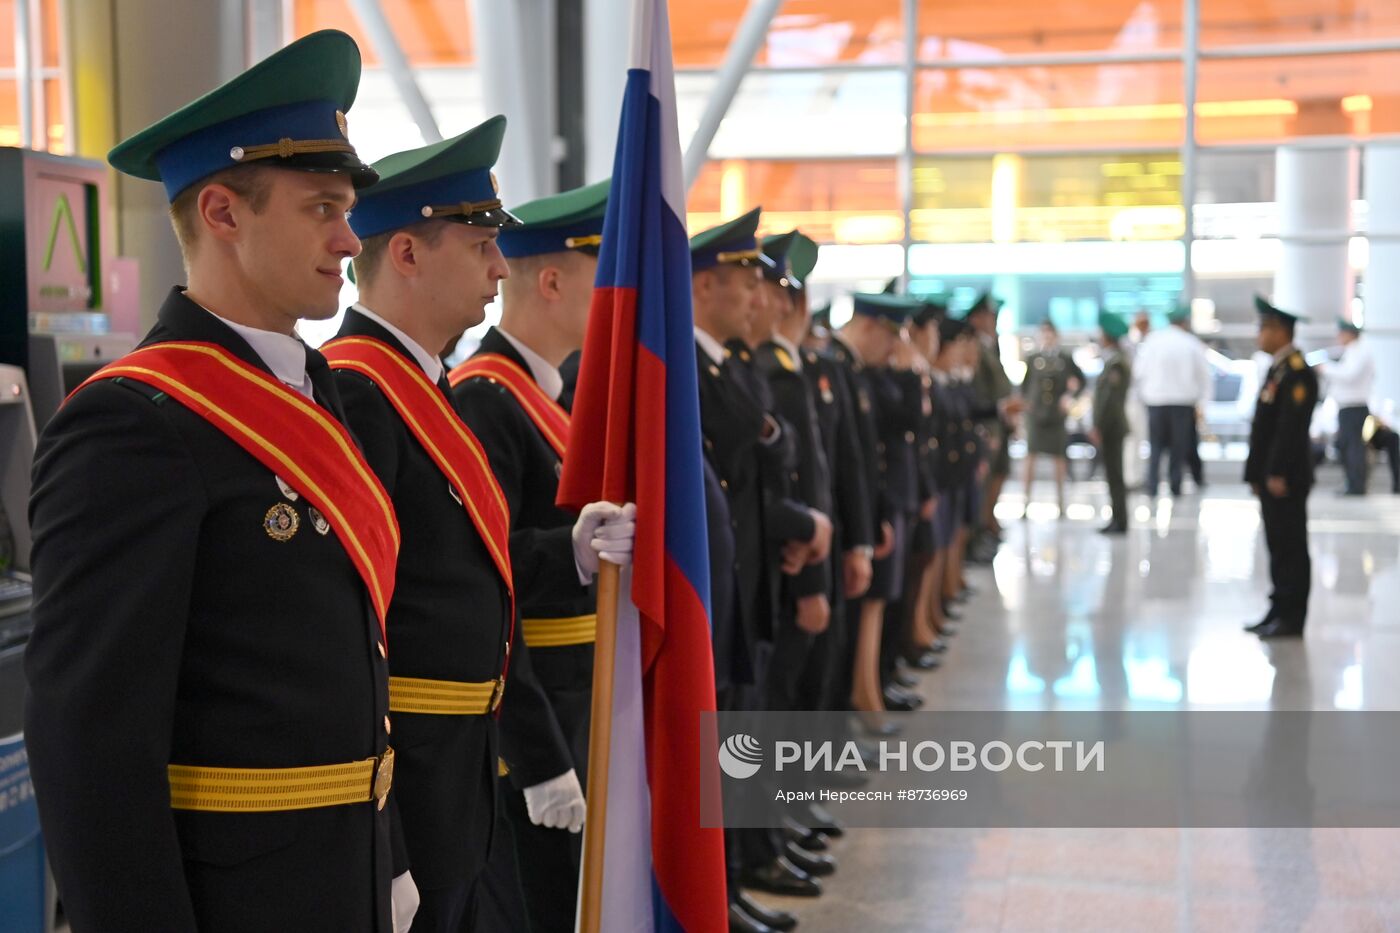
848 778
899 700
1112 529
801 835
947 630
820 819
780 876
904 679
813 863
741 921
1281 628
880 729
1261 624
775 918
924 660
948 612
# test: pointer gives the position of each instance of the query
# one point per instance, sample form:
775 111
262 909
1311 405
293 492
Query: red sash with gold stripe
437 427
547 414
291 436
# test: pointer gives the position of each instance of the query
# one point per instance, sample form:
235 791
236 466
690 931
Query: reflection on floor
1150 621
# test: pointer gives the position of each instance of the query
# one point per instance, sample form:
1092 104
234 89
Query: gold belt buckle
497 692
383 778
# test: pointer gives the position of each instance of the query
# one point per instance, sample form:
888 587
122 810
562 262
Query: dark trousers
1350 423
1112 455
1290 567
1170 430
500 904
446 910
1388 441
1193 455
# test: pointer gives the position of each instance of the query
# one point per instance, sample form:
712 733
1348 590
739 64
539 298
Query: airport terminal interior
1166 163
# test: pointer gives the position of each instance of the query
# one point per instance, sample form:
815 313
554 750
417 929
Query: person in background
1385 440
1052 380
991 388
1280 471
1111 416
1172 377
1350 382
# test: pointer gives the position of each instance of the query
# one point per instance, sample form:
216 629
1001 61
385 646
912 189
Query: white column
1315 186
1382 318
515 55
607 27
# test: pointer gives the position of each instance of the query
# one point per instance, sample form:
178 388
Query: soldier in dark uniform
207 719
509 392
871 337
751 454
1280 470
993 391
1111 416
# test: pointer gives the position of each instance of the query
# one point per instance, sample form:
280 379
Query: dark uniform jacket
810 477
449 620
170 627
1111 396
835 403
851 371
1279 442
897 399
545 718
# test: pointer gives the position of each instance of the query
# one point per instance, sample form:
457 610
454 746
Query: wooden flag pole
599 749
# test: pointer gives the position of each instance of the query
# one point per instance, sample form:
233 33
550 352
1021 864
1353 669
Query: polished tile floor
1067 618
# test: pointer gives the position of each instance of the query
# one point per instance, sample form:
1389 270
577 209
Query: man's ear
218 208
402 253
548 282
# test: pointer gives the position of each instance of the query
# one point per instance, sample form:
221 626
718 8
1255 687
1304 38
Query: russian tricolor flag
635 437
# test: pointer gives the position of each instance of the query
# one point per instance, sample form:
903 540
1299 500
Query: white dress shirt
284 354
1351 379
428 362
1170 368
546 375
712 347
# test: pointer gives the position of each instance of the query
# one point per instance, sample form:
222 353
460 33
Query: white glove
606 531
557 803
403 898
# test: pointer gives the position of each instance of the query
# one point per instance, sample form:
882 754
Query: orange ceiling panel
1242 22
432 32
973 28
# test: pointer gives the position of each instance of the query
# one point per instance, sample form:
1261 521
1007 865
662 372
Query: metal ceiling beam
737 62
391 54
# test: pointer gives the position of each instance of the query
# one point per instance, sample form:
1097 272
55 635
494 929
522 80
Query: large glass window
1247 22
974 30
48 100
1271 99
803 33
800 113
847 201
1066 106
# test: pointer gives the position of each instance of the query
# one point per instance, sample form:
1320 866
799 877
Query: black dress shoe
813 863
947 630
921 660
1112 529
1281 628
741 921
948 612
782 877
899 700
1261 624
820 819
904 678
775 918
876 726
805 836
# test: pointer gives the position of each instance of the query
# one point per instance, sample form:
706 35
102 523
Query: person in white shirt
1173 379
1349 382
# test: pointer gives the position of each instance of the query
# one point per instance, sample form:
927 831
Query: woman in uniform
1052 381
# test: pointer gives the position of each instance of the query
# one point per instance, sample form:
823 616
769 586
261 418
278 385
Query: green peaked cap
569 220
451 180
297 95
1113 325
1267 309
732 242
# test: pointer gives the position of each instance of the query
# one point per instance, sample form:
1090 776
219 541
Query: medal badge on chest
824 384
318 521
287 491
281 522
1270 390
